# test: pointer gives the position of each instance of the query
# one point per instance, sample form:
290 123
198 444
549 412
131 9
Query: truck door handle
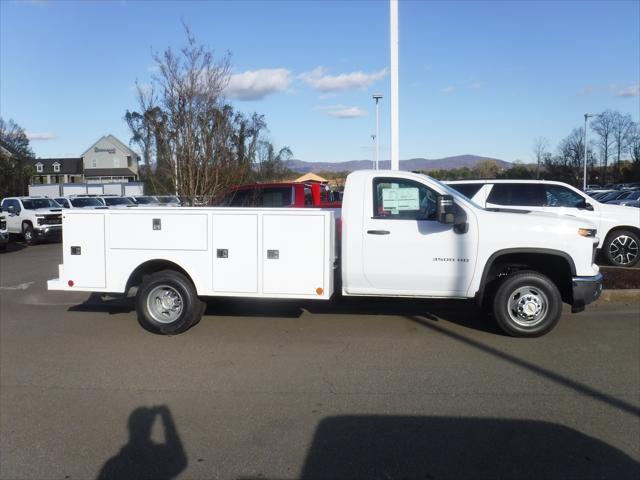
378 232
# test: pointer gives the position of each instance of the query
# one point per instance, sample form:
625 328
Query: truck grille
3 224
593 254
50 220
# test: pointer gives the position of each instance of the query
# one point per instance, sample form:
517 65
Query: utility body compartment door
294 254
84 253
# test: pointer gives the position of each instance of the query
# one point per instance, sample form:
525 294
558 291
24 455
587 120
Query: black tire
29 234
527 292
622 248
181 310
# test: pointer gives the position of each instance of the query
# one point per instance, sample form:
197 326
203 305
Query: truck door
13 219
406 251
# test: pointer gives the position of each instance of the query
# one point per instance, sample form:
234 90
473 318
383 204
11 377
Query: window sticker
396 200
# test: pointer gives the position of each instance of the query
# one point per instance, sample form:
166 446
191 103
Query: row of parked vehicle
40 218
618 225
626 197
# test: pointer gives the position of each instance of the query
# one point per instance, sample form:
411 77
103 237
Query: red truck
289 195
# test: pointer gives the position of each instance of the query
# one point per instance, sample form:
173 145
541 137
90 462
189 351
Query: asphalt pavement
348 389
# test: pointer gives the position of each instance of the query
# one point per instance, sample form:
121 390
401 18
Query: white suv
35 218
618 226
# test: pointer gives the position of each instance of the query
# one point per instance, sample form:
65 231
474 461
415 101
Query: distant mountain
422 164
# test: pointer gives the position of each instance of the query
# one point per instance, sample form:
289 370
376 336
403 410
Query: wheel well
617 228
557 267
26 222
150 267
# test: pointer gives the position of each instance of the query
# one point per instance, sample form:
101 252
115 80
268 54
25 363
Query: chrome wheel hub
623 250
165 304
527 306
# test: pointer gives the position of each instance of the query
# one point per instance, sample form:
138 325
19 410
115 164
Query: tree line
613 156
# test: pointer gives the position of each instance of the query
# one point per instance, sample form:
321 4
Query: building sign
104 150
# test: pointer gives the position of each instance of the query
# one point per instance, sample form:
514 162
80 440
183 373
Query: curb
619 295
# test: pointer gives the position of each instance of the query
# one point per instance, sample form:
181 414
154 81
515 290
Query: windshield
86 202
145 200
33 203
117 201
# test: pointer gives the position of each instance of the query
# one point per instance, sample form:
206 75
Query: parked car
618 227
35 218
607 197
169 200
79 202
631 199
292 195
118 202
4 234
144 200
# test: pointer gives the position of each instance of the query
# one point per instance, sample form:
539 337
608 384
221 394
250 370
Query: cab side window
517 194
558 196
398 198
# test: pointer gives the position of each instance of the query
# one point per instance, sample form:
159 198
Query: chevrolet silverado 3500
403 235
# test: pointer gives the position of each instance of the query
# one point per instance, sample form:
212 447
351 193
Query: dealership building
106 161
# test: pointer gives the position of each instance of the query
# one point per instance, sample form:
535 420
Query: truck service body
403 235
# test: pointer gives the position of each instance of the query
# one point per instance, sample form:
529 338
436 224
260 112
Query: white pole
377 136
395 114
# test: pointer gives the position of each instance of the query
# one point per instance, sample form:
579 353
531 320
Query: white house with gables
109 160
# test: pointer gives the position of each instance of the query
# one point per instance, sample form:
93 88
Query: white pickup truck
403 235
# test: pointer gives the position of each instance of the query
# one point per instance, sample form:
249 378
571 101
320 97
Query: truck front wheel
29 234
167 303
527 304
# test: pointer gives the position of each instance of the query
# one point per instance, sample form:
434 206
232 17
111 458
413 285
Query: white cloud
320 80
447 90
33 136
476 85
257 84
628 91
342 111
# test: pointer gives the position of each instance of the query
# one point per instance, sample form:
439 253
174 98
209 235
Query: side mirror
445 209
584 205
11 210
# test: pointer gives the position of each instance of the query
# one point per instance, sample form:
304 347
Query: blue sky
475 77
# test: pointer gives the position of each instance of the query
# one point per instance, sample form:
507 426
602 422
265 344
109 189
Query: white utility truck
403 235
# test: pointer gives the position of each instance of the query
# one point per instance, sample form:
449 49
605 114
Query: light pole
395 109
584 177
374 137
377 97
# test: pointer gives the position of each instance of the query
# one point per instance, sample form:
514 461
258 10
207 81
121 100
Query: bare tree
634 144
540 149
199 143
603 125
622 126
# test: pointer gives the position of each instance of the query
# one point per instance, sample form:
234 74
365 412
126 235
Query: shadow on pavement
464 313
418 447
141 458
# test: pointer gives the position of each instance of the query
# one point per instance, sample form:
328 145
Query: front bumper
48 231
585 291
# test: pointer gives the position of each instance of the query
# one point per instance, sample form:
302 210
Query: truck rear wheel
527 304
167 303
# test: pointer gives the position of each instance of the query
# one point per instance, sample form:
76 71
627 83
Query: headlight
587 232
